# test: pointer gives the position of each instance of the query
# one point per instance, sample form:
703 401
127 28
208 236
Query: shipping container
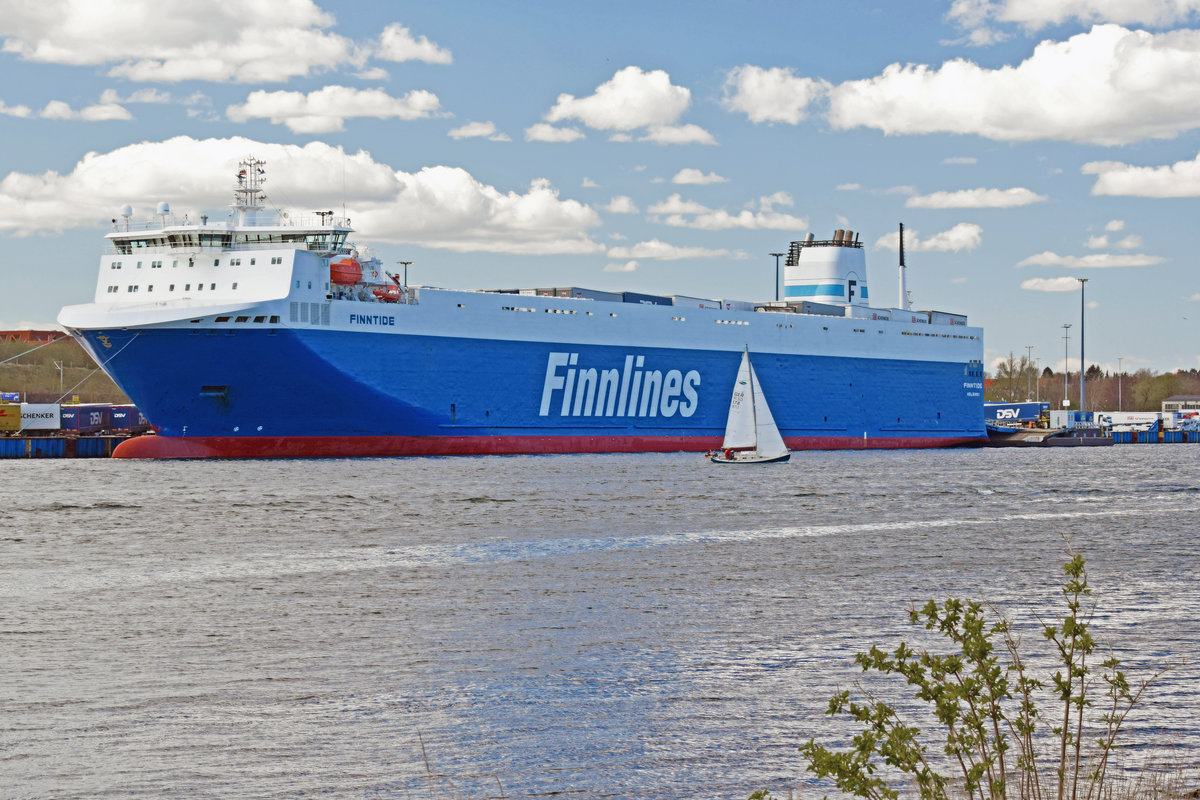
40 416
90 418
694 302
580 294
10 417
906 315
863 312
645 299
127 419
944 318
1014 412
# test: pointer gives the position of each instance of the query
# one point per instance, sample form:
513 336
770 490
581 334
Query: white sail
769 442
740 427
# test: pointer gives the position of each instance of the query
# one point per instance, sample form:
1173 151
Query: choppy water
580 626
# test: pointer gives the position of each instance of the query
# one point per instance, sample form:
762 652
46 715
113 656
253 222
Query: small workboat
751 436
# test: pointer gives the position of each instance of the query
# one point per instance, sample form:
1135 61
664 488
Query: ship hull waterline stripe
368 446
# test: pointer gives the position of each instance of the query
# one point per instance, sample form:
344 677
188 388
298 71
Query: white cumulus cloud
1049 258
975 16
621 204
1114 225
99 112
977 198
963 236
1050 284
675 134
960 160
680 213
658 249
1181 179
327 109
397 43
628 266
1107 86
178 40
689 175
438 207
543 132
478 130
770 95
631 99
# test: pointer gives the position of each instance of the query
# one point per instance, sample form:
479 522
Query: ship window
310 284
297 282
139 266
274 319
239 319
175 263
171 288
212 286
235 286
252 262
187 287
150 288
260 319
216 262
221 319
612 315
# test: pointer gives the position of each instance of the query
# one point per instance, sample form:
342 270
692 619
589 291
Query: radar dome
127 210
163 208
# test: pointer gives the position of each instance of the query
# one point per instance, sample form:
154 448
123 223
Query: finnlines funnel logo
582 391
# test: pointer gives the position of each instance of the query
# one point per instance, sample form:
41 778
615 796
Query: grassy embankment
35 374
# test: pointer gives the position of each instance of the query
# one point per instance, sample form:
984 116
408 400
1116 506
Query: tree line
1016 379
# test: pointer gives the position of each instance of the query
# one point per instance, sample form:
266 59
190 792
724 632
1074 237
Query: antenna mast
904 302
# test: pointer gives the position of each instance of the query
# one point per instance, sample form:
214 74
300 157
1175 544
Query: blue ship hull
298 392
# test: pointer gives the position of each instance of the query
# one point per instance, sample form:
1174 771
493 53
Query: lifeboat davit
388 294
346 272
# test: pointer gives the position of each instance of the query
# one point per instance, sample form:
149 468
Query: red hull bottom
375 446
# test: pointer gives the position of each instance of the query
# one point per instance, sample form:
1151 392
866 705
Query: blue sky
660 147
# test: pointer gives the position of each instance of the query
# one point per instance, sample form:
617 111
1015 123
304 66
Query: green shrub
986 710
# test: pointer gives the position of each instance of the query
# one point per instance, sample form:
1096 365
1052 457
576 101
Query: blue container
1172 437
12 448
1122 437
85 418
645 299
1147 437
127 418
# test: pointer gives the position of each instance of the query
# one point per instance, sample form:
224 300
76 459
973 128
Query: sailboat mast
753 399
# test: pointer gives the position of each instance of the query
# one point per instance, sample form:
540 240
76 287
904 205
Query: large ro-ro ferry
268 335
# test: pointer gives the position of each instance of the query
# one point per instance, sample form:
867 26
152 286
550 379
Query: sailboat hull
743 457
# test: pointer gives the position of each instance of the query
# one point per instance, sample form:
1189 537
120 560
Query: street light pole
1119 406
1082 363
1029 367
777 255
1066 365
405 263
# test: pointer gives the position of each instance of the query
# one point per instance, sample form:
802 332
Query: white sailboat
751 436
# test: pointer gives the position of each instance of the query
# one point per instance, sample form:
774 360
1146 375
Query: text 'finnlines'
629 392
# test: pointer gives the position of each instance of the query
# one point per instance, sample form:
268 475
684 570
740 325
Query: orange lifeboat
388 294
346 272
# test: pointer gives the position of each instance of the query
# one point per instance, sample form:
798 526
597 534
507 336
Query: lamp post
777 255
1082 363
405 263
1119 360
1029 368
1066 365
